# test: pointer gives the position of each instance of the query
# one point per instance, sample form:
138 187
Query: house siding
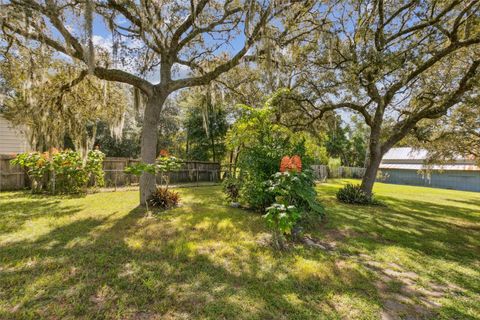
12 140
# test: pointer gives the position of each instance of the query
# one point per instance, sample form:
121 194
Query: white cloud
102 42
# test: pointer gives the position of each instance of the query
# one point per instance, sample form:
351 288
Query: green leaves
295 188
294 196
139 168
163 165
354 194
62 171
282 217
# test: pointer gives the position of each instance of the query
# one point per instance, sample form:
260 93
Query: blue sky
103 37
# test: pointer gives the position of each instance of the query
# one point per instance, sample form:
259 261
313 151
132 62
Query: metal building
407 166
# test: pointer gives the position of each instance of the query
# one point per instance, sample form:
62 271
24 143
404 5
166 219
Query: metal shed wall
457 180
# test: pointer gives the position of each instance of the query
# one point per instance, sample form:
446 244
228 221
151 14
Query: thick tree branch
428 64
403 127
232 62
425 24
125 77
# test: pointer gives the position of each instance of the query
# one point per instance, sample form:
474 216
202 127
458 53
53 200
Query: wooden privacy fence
323 172
190 172
14 178
11 177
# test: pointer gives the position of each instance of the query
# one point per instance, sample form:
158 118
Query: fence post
116 179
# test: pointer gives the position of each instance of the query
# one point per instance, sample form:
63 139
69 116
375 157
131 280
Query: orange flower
293 164
285 164
296 163
164 153
54 151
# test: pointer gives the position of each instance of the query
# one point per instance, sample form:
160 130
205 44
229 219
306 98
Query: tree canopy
398 65
395 65
53 101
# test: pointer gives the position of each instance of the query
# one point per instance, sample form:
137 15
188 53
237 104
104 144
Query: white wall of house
12 140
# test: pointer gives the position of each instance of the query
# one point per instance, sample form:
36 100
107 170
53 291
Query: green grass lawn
100 256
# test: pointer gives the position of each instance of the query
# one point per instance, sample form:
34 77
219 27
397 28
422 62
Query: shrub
164 199
284 196
281 219
62 171
36 165
294 194
297 189
354 194
94 166
68 174
163 165
231 187
263 145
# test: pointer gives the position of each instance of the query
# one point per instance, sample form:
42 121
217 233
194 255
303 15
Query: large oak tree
208 37
396 63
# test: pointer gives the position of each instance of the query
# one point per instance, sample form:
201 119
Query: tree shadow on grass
437 240
18 208
470 202
202 261
146 268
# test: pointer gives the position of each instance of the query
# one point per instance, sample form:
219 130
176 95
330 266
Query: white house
12 140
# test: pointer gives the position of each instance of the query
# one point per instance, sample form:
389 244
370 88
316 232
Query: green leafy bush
295 197
281 219
354 194
68 174
37 165
94 166
262 144
164 199
286 196
297 189
62 171
163 165
231 187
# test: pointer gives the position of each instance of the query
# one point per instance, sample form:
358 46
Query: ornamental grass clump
231 188
163 198
354 194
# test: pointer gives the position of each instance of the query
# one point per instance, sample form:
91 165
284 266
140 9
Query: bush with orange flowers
64 171
292 164
295 197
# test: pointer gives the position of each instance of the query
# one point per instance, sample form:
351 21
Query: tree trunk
373 162
230 163
149 143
